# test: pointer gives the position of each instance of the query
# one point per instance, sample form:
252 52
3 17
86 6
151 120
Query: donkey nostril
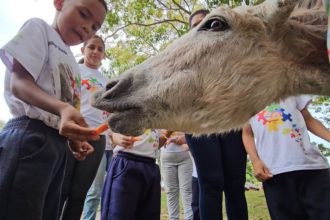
110 85
117 87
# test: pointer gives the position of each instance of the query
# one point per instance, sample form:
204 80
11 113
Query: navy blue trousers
195 198
221 165
303 195
79 176
32 161
132 189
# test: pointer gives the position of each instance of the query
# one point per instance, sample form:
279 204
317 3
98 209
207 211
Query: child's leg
169 165
127 180
93 196
185 174
195 198
149 206
41 156
234 168
282 197
82 178
53 197
315 193
206 151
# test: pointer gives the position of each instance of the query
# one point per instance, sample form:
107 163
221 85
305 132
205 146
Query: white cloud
13 13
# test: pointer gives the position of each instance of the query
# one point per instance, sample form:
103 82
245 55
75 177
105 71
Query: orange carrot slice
102 128
136 139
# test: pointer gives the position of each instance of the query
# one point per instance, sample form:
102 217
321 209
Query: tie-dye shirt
282 139
42 52
147 147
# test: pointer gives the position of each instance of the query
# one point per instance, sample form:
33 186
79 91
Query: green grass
256 205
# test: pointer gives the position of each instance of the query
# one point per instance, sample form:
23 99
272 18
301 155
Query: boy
42 90
133 178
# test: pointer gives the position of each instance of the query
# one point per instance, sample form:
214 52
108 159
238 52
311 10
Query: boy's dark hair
199 11
104 4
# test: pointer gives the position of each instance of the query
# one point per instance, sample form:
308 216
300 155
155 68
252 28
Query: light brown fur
208 82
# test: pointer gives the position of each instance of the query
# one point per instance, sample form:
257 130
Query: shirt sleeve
29 47
303 101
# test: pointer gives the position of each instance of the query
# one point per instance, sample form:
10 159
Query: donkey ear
273 11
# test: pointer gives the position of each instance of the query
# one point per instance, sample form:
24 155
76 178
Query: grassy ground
256 205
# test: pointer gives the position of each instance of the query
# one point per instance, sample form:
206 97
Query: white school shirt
42 52
282 139
147 147
91 81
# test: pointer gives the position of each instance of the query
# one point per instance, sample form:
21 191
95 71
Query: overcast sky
13 13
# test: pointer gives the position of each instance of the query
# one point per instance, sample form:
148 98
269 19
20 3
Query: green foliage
325 151
321 100
256 202
249 174
2 124
138 29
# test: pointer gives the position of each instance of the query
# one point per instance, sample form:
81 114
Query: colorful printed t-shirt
147 147
42 52
282 139
91 81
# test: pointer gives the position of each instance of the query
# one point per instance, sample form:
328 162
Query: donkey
228 68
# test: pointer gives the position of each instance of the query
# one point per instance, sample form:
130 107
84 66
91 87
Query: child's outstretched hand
80 149
74 127
122 140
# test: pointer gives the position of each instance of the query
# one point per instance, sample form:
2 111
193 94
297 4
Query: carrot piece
136 139
102 128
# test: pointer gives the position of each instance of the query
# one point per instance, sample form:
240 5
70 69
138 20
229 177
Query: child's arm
315 126
261 172
80 149
122 140
177 139
72 124
165 137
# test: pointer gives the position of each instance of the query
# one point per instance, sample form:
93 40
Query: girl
294 173
80 174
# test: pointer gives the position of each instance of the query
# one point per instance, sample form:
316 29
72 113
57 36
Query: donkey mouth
127 122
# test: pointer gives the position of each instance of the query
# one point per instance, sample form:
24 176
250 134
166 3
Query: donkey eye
215 24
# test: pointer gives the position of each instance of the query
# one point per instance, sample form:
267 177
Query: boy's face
78 20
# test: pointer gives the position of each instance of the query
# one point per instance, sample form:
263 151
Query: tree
138 29
325 151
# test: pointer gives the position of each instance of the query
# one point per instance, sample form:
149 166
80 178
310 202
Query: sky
13 13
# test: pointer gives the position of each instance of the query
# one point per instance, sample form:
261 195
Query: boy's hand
74 127
122 140
261 172
80 149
